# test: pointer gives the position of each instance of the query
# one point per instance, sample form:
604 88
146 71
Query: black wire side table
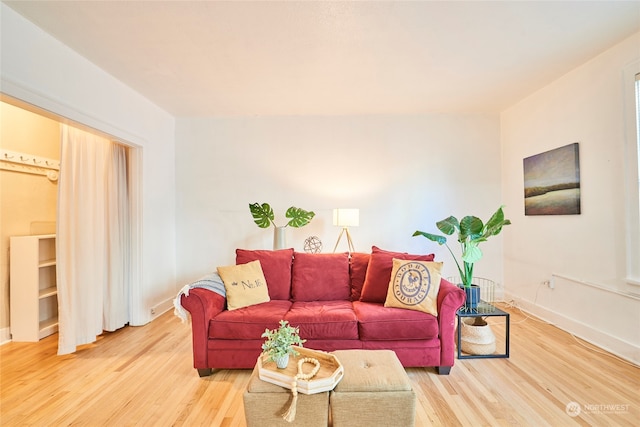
483 310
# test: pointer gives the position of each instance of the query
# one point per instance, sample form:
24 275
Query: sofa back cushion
320 277
358 263
376 282
276 266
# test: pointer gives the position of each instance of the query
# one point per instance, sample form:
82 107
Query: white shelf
47 263
48 292
47 327
34 293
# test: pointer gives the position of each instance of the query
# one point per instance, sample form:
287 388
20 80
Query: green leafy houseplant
471 232
263 216
279 341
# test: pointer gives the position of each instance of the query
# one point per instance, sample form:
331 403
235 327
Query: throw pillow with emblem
414 285
244 284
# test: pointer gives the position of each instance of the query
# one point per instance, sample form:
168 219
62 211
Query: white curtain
92 238
117 290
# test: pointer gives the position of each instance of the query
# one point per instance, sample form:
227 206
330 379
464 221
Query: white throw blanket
211 281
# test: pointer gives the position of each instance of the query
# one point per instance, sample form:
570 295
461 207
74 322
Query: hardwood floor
144 376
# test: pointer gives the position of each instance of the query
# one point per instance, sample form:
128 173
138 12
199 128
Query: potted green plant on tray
471 232
264 217
279 343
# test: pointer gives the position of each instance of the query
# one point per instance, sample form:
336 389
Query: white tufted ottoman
375 391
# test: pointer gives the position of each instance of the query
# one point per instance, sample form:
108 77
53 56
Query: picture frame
552 182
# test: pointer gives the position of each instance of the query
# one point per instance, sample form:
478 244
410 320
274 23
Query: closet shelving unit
33 287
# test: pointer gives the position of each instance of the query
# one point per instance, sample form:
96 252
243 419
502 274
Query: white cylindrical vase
279 238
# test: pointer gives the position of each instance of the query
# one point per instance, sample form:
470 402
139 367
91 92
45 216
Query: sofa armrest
203 305
450 299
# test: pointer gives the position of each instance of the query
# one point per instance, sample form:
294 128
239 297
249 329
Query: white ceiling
206 58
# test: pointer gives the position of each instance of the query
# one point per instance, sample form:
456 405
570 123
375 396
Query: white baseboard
5 335
161 308
156 310
625 350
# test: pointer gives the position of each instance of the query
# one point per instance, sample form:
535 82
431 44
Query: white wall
583 254
38 69
403 173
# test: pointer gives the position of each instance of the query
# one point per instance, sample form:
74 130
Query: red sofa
336 300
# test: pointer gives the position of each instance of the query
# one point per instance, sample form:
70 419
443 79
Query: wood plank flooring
143 376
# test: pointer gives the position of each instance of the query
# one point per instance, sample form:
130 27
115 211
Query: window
638 135
632 175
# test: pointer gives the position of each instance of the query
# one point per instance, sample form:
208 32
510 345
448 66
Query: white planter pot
478 340
282 362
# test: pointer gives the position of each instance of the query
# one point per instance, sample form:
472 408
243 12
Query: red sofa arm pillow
376 281
203 305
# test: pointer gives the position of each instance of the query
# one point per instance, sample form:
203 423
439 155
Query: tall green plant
263 216
471 232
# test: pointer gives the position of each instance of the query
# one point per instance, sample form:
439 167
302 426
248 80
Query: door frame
54 110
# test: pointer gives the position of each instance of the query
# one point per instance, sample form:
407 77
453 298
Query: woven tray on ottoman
375 391
265 404
328 376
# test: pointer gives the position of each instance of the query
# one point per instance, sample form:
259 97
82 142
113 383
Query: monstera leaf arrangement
264 217
471 232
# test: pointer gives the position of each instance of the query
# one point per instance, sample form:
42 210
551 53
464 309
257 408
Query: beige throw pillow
244 284
414 285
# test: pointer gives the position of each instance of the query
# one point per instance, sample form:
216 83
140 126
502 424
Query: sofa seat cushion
321 320
248 322
379 323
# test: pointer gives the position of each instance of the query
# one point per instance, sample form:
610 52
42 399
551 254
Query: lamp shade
346 217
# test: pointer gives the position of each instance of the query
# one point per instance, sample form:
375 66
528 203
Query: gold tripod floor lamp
346 218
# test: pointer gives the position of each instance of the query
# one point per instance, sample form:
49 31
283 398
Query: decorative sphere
313 245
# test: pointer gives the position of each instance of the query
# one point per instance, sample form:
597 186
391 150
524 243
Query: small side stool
375 391
264 404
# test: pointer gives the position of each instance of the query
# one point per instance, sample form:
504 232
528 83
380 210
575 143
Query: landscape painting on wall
552 182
